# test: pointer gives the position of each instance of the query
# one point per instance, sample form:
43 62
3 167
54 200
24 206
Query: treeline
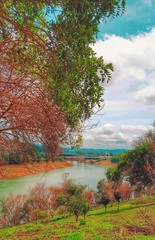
137 166
93 151
26 152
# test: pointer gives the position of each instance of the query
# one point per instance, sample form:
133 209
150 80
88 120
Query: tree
27 114
117 196
78 205
39 197
137 166
18 153
104 200
101 185
75 189
50 41
11 210
61 199
73 197
106 188
125 190
85 208
89 196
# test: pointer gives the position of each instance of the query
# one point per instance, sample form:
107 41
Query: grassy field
135 220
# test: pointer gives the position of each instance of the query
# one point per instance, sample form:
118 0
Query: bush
41 214
62 210
82 222
114 160
61 159
11 213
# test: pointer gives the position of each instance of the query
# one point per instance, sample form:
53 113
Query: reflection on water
82 173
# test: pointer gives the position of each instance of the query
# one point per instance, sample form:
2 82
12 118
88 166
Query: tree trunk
118 206
76 217
105 209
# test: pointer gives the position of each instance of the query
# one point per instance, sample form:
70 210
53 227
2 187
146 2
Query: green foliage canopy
51 41
138 164
104 200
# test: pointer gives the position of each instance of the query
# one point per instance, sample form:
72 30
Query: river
82 173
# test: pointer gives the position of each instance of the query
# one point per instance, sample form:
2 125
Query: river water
80 172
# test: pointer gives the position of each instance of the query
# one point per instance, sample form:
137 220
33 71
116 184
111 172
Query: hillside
85 151
136 220
92 151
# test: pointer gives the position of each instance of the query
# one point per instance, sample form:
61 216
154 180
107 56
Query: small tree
104 200
61 199
11 213
125 190
75 189
85 209
106 188
117 196
101 185
89 196
74 199
75 206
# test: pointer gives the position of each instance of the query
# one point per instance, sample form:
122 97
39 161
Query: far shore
21 170
105 163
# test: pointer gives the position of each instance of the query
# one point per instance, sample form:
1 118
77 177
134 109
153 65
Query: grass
125 224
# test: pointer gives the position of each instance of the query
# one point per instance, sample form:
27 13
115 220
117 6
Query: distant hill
92 151
85 151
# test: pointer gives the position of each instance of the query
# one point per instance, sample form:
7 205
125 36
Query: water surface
82 173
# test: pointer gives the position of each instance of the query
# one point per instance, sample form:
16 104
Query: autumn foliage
109 188
27 113
39 202
50 78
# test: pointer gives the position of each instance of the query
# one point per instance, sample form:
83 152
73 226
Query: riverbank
104 163
21 170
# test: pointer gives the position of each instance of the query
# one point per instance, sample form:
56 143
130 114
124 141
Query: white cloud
147 94
111 136
130 97
134 60
148 2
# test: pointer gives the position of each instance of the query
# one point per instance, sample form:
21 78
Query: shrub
61 159
62 210
11 213
82 222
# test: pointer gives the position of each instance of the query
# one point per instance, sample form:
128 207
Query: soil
20 170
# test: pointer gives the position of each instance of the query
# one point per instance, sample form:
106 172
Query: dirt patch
141 230
13 171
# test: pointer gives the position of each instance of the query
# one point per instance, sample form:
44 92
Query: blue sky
128 42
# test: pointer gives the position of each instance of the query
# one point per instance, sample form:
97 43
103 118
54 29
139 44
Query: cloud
111 136
148 2
147 94
130 96
134 61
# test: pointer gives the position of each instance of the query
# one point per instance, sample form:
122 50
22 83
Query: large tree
137 165
51 39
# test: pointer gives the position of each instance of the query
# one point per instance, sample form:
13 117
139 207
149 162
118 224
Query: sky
128 42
